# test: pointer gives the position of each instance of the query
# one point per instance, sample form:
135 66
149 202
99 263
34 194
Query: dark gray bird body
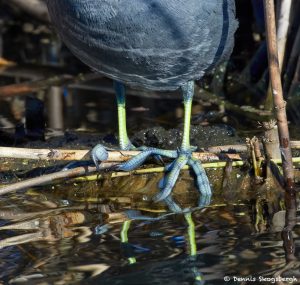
157 44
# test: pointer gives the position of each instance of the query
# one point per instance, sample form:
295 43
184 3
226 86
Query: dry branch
72 154
211 153
79 171
279 103
35 86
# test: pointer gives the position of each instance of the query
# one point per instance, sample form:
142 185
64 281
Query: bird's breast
156 44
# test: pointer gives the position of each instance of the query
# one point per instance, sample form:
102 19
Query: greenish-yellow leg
124 239
188 92
124 141
99 152
193 248
182 157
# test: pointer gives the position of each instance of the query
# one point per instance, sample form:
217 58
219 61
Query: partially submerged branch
79 171
83 174
279 103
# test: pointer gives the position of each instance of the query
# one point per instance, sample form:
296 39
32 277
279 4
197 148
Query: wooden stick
228 148
52 177
271 140
34 86
72 154
76 154
279 103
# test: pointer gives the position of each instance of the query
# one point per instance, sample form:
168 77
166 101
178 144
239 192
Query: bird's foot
99 152
182 157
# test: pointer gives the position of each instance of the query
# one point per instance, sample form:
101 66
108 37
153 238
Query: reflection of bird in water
159 45
176 266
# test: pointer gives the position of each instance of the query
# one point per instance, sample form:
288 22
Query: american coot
155 44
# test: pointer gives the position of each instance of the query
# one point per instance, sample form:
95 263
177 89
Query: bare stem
279 103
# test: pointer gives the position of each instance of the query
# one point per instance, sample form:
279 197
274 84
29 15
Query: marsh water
61 235
109 231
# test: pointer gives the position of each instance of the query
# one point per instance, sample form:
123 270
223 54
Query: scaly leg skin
99 152
182 157
124 142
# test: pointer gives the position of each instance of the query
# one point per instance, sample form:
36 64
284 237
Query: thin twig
247 111
34 86
52 177
279 103
228 148
220 164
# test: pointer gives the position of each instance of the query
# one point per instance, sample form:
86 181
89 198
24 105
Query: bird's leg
99 152
185 156
182 157
124 141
